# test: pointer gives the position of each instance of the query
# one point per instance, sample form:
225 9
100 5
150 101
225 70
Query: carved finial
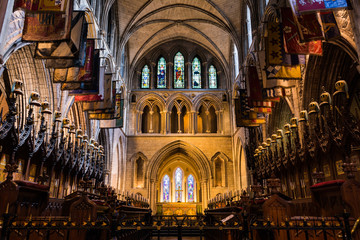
10 169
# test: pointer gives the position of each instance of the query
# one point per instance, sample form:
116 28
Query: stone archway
190 155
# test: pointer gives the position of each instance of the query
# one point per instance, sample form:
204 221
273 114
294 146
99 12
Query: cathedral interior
178 119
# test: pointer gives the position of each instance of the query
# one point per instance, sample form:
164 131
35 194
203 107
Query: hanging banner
309 27
43 5
87 87
272 82
329 25
46 26
69 53
108 101
274 43
317 5
291 37
254 85
283 72
78 74
29 5
90 99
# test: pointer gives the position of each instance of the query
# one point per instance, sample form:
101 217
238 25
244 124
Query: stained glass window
178 184
179 71
161 74
196 73
166 188
145 77
212 77
190 188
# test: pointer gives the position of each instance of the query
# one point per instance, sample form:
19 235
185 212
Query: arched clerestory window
196 73
212 77
145 77
161 73
179 71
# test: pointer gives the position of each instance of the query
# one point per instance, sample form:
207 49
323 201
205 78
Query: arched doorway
179 160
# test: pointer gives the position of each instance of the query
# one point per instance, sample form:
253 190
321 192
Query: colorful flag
272 82
309 27
69 53
317 5
43 5
78 74
53 5
86 87
274 43
46 26
254 85
291 37
29 5
329 25
283 72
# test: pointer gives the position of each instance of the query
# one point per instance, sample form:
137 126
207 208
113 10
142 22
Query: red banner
292 43
309 27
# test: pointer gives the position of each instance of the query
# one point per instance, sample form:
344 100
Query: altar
179 208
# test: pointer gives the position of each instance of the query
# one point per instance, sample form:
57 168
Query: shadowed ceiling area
209 23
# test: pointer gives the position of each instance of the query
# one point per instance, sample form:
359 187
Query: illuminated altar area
178 191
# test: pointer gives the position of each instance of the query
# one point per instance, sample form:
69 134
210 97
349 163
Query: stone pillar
204 77
151 130
179 122
138 121
193 122
152 194
163 122
208 122
153 75
167 122
204 187
188 68
169 75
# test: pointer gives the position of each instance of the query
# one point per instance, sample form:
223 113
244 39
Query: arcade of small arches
179 115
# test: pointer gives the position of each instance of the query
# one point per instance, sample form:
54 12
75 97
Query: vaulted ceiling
213 24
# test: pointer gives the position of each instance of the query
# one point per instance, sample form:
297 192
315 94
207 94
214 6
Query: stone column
188 68
153 75
152 194
193 122
204 76
169 75
167 122
179 122
163 121
204 193
151 130
208 122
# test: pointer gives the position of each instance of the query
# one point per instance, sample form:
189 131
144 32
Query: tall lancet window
145 77
161 74
166 188
196 73
178 184
190 188
179 74
212 77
